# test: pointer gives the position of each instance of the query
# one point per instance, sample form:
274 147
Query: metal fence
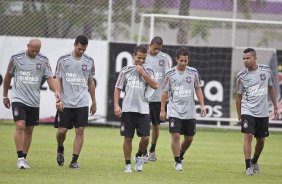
118 20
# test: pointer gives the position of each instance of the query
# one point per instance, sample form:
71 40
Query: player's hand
140 70
162 115
60 106
6 102
276 114
203 112
93 108
117 111
58 97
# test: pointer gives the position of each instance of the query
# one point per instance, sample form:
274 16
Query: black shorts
182 126
254 125
133 120
72 117
155 109
23 112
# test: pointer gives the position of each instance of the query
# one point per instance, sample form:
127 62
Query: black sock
74 158
127 162
248 163
20 154
153 148
60 149
138 154
255 159
182 155
25 155
177 159
145 152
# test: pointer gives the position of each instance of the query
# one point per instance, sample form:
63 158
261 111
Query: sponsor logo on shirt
75 80
256 91
180 91
158 75
26 78
133 82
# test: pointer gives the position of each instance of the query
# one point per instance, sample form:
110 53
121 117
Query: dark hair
140 48
157 40
182 51
250 50
81 39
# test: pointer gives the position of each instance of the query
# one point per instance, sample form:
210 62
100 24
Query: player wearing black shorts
135 80
74 73
253 85
181 82
28 69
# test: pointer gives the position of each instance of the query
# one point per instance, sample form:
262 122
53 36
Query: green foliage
215 156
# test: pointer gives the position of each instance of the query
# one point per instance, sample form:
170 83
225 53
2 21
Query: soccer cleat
127 168
21 164
60 159
138 164
74 165
255 168
145 158
153 156
249 171
178 166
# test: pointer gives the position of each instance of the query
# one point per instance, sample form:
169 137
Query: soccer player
74 73
28 69
253 85
180 84
159 62
135 80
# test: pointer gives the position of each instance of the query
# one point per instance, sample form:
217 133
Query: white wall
53 49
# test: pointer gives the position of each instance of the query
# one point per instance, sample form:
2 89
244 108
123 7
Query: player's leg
248 128
188 130
260 134
80 122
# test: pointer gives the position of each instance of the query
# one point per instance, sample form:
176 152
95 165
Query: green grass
215 156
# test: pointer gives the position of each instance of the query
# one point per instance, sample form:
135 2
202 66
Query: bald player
28 69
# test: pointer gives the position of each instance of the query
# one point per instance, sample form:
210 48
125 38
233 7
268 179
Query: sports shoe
74 165
178 166
255 168
138 164
153 156
127 168
60 159
21 164
249 171
26 164
145 158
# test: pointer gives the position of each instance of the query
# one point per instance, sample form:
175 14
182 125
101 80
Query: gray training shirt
253 86
180 85
160 65
28 73
136 89
75 74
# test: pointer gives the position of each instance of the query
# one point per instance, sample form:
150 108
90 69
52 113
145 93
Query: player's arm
238 105
272 94
91 87
117 109
59 104
52 83
7 81
151 82
200 97
163 104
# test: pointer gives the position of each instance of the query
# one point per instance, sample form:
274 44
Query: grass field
215 157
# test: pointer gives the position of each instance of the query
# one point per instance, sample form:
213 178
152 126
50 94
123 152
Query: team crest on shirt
16 112
38 66
161 62
84 67
171 123
262 77
245 123
188 79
